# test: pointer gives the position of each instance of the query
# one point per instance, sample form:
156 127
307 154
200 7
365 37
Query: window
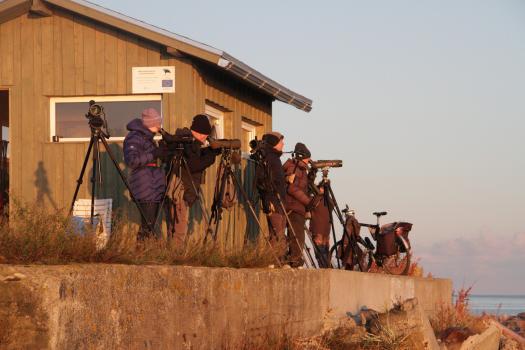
216 117
248 133
69 123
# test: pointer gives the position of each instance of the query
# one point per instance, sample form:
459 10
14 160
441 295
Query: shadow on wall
42 185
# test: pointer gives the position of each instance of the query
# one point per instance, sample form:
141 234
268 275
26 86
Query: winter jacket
198 159
320 221
271 181
147 183
297 197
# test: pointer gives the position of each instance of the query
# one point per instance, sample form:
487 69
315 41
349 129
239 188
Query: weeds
34 236
457 315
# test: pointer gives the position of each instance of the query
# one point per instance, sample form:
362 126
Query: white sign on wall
153 79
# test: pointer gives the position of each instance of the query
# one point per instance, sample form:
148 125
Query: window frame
114 98
216 113
252 130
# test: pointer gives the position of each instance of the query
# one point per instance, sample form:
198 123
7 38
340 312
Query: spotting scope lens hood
321 164
225 143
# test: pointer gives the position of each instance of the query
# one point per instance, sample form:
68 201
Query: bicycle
352 249
393 252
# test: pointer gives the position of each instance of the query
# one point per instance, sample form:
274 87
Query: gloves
161 152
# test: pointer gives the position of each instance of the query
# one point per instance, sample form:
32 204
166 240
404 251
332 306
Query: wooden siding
67 55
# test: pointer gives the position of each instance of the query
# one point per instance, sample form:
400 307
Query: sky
424 101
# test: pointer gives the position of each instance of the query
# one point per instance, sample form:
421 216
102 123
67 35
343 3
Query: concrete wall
176 307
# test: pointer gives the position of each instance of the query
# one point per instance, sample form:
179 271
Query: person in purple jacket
147 180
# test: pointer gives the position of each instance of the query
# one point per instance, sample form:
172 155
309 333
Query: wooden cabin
56 55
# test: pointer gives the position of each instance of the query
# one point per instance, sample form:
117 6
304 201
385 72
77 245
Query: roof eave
183 44
10 9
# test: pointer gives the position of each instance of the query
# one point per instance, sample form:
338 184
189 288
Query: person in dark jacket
184 188
296 200
147 181
271 184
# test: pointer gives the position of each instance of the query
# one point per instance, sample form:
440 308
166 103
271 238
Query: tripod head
97 119
230 157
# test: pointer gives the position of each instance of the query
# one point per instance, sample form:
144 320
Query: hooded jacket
147 183
297 197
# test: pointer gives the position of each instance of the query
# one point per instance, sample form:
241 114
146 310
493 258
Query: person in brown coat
320 227
296 200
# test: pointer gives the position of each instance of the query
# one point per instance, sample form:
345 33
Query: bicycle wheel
398 264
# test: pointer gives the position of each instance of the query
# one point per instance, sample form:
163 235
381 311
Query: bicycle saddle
379 213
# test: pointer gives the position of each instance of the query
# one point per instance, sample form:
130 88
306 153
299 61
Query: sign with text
153 79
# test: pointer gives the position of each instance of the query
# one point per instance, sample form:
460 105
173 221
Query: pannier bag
386 239
402 230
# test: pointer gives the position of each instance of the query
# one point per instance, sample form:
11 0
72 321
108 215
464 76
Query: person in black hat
183 189
296 200
271 185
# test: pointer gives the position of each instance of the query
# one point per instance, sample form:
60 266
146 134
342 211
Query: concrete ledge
177 307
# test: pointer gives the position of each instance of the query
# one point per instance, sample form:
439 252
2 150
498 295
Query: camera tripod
225 174
99 136
331 203
174 179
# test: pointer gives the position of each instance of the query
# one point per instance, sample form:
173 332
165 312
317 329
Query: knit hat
272 138
151 118
201 124
301 151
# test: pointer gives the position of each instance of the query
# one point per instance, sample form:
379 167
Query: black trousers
147 226
296 241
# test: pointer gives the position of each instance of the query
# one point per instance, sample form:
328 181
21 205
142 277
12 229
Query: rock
488 340
455 335
406 320
521 315
15 277
367 315
508 344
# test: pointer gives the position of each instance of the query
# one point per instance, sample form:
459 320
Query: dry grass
387 339
457 315
415 269
356 338
34 236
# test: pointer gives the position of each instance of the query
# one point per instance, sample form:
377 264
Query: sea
497 304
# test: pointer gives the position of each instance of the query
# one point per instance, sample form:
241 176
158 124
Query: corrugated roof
188 46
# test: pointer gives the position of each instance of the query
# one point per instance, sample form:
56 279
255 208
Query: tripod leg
331 195
252 211
96 154
126 183
316 247
198 193
81 176
216 206
331 217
